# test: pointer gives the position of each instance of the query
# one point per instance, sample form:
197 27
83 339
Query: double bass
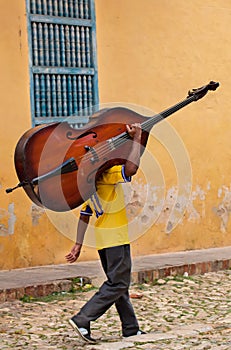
58 166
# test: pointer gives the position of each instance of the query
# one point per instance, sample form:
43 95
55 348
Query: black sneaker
82 332
139 332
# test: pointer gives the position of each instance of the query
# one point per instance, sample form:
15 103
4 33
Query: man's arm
130 168
81 229
133 161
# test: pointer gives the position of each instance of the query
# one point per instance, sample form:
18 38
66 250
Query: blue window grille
63 65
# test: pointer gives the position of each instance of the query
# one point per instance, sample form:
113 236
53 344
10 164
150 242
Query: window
63 67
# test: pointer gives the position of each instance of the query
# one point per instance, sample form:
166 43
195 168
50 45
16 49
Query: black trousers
116 262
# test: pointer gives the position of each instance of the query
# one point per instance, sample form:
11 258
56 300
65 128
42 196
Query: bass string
154 120
105 149
119 140
159 117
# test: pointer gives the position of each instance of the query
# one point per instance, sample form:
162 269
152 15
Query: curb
138 277
198 268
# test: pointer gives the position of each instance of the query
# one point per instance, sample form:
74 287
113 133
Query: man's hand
134 131
74 253
133 160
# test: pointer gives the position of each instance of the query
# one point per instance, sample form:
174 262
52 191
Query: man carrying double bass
112 241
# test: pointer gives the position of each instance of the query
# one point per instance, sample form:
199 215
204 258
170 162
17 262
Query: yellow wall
150 53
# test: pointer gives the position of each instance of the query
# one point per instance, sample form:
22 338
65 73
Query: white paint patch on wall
143 204
10 217
199 194
152 204
224 208
178 206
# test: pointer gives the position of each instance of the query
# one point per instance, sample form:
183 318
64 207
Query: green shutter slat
37 96
51 46
48 95
69 95
57 46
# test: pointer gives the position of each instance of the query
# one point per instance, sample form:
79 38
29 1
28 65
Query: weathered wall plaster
223 209
150 53
7 220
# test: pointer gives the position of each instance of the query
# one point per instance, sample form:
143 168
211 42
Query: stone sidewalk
44 280
177 313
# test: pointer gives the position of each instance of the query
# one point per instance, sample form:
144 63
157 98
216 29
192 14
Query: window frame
75 120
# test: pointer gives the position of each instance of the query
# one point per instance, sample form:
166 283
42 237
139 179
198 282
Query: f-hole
69 135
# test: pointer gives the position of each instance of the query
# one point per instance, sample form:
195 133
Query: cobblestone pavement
176 312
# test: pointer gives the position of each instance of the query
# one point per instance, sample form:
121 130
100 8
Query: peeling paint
9 216
219 194
192 213
147 202
36 213
175 206
224 208
198 193
143 205
12 219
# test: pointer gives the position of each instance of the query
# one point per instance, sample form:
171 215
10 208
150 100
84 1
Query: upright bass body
58 165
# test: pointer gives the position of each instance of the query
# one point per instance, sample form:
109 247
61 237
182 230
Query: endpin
20 184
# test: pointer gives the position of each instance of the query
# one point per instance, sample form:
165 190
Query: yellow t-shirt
111 226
